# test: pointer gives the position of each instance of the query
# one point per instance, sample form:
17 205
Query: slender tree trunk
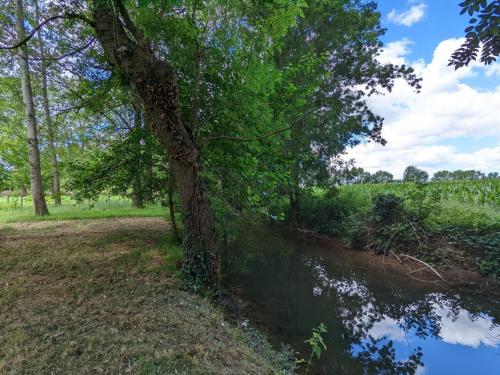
137 188
196 88
171 209
154 83
148 164
294 184
137 201
29 107
56 184
22 193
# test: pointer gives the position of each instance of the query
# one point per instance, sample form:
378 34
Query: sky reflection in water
378 321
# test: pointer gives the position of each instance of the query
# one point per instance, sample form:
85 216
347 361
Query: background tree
56 184
381 177
442 176
470 174
353 175
413 174
13 145
324 59
5 178
32 131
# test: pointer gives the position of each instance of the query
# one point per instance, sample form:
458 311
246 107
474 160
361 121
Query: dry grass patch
101 297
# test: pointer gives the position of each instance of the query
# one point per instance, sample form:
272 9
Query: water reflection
379 322
465 330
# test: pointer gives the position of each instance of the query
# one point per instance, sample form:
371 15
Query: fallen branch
418 269
424 263
396 256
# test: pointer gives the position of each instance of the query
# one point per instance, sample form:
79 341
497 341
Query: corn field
484 192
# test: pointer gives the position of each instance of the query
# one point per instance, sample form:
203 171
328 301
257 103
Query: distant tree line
357 175
462 175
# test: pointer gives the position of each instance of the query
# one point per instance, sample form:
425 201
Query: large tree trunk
56 184
154 83
29 107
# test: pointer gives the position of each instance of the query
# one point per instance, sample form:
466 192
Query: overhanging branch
68 54
43 23
258 138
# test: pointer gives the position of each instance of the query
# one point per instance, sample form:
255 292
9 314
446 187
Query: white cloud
456 329
463 330
420 127
407 17
493 70
389 328
395 52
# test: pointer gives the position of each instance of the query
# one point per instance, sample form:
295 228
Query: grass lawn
101 296
11 212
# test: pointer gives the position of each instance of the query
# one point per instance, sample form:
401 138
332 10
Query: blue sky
441 21
463 342
454 123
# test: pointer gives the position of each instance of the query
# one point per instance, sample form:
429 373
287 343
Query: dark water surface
379 321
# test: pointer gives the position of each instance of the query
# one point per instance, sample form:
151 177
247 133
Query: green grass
11 211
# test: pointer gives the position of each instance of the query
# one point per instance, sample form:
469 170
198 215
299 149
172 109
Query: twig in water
418 269
424 263
396 256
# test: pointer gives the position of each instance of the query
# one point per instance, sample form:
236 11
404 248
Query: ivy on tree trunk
154 83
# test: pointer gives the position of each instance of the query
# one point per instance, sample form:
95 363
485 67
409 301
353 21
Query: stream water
379 321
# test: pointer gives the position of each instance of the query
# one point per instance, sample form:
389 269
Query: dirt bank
462 275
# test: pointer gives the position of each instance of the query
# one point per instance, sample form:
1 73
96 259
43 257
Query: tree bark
56 184
154 83
29 107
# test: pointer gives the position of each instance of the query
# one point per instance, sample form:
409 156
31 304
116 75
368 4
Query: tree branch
43 23
138 35
68 54
253 139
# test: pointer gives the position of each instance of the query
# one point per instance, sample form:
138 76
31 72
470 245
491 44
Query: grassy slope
100 297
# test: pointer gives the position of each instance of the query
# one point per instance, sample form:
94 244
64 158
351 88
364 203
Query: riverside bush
405 220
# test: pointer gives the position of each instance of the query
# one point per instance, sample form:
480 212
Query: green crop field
484 193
